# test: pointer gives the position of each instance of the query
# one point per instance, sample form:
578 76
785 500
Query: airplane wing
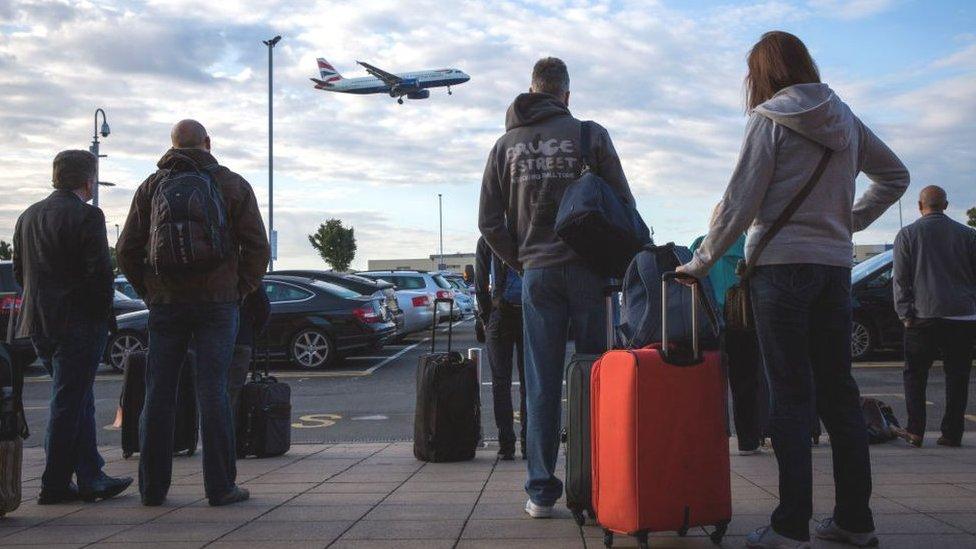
387 78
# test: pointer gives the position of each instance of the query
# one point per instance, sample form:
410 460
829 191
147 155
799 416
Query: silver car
463 294
433 285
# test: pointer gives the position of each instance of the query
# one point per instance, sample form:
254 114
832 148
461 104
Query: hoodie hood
531 108
813 111
186 159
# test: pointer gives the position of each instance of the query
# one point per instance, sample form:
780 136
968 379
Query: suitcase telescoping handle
610 294
695 288
450 323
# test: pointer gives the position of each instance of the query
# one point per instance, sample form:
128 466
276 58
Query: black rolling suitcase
186 430
447 418
264 420
576 435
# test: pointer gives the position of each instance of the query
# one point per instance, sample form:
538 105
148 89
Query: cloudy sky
665 77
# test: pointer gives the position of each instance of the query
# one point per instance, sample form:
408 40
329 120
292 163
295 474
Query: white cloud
851 9
666 83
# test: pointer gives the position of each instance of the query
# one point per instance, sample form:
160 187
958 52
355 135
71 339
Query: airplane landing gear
400 100
449 92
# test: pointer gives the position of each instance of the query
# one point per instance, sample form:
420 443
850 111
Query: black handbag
738 308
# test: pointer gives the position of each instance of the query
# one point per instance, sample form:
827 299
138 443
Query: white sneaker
538 511
753 452
828 530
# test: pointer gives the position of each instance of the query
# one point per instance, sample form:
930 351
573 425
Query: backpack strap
745 269
587 163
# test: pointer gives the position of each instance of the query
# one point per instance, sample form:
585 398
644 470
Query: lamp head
272 42
105 131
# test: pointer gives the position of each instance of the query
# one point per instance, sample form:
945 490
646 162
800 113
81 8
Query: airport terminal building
451 262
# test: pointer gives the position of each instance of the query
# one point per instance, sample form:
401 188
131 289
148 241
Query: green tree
115 259
335 243
6 250
971 212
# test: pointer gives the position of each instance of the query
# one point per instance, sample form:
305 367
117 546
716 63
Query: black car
360 284
21 350
312 323
876 325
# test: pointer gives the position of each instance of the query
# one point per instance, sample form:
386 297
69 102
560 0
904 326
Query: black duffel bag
604 229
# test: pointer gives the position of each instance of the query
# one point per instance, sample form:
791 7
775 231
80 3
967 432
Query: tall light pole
440 217
94 150
272 236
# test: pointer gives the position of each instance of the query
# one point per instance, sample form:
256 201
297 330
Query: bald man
192 296
935 297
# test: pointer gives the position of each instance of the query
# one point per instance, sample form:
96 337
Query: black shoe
506 451
950 442
522 445
54 497
235 495
104 488
153 501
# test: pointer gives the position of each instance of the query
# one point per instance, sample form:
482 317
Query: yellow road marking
316 421
971 417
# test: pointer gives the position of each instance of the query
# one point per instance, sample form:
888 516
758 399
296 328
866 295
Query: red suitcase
660 443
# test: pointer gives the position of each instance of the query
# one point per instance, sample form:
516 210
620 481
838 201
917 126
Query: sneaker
104 488
750 451
538 511
913 440
506 452
828 530
767 538
950 442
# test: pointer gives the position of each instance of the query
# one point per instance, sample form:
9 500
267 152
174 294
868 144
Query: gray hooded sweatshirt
526 175
785 139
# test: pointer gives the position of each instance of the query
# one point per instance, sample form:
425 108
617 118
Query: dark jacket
255 310
527 172
492 278
236 277
61 260
935 269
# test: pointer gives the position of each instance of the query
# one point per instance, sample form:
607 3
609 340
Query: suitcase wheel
719 533
642 540
579 517
683 531
607 538
126 455
815 439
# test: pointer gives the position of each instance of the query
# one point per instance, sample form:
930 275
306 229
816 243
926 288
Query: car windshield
121 297
870 265
442 282
334 289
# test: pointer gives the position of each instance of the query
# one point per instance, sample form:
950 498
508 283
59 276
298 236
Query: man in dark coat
62 262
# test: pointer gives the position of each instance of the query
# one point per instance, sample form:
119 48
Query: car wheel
120 346
311 349
862 341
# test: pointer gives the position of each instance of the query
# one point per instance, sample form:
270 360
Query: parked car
123 286
876 324
21 350
433 284
463 294
312 323
122 304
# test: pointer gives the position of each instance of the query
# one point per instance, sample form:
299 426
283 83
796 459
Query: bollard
474 355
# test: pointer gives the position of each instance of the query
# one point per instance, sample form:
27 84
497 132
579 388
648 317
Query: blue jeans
551 298
803 320
213 329
70 443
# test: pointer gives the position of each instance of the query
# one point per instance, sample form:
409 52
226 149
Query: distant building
867 251
452 262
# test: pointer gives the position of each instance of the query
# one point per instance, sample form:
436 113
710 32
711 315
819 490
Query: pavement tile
923 490
937 504
228 513
567 543
267 544
258 489
916 541
337 499
73 534
914 523
521 528
455 486
485 510
351 488
97 514
432 511
963 521
431 497
324 531
316 513
372 477
404 529
151 545
393 544
162 531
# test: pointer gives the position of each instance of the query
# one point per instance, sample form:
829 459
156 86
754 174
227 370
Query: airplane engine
422 94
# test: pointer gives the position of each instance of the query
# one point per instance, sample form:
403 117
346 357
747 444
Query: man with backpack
526 175
193 246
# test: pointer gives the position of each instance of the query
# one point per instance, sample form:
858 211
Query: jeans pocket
793 278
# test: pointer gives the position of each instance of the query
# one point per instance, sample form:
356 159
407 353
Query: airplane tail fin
328 73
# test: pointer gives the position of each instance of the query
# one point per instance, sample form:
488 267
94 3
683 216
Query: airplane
411 84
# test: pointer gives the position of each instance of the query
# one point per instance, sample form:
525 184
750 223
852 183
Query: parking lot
370 397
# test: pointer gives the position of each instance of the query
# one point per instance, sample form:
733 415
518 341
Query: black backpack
188 225
880 421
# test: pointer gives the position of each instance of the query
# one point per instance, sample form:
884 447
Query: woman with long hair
800 134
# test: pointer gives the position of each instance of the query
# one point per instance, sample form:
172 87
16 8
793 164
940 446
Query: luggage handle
695 288
609 292
450 323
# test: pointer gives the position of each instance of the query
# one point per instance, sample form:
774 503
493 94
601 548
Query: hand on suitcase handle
681 276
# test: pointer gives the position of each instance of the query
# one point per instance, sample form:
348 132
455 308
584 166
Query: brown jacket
238 276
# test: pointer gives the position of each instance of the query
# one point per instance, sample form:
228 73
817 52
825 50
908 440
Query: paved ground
378 495
370 398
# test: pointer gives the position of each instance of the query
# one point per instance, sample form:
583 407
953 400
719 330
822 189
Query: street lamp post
440 218
272 237
94 150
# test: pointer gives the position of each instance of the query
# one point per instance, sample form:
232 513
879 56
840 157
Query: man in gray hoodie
527 172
